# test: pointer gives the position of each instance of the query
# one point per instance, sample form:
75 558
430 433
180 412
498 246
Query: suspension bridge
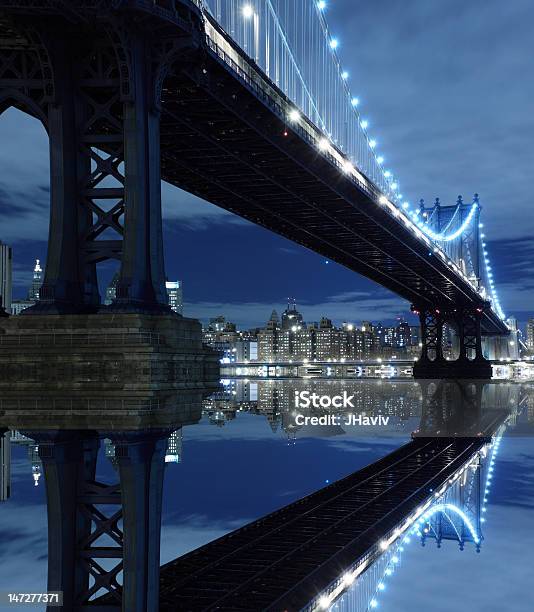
247 105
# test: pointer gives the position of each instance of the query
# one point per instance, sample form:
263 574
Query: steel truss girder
97 91
466 320
82 511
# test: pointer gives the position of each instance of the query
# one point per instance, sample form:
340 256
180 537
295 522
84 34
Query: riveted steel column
69 284
142 278
141 462
69 460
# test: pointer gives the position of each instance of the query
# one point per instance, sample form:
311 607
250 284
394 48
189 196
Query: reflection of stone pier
103 538
104 351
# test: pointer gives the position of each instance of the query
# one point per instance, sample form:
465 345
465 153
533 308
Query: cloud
23 553
180 534
444 87
192 212
253 314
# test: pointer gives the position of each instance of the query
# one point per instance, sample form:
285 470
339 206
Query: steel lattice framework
123 84
286 560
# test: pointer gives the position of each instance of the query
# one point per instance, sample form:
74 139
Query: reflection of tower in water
33 454
174 452
37 466
174 447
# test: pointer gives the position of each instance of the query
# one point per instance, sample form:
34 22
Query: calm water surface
246 457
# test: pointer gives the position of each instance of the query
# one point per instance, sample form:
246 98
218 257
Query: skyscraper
17 306
175 296
6 275
111 291
530 334
37 282
174 447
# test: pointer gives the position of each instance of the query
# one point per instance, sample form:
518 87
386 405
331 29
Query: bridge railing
241 47
381 551
283 107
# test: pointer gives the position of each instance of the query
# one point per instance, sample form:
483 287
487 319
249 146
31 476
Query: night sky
447 88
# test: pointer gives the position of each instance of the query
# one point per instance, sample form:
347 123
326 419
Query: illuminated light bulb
355 102
294 115
364 123
383 200
248 11
323 144
348 167
387 173
321 5
344 75
405 205
381 586
394 185
373 603
380 159
324 602
334 43
372 144
384 545
348 579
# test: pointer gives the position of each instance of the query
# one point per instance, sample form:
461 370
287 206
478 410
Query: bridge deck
285 559
225 137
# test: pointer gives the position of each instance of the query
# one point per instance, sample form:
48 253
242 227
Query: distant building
111 290
530 334
289 339
17 306
37 283
174 447
33 454
175 296
35 460
6 276
291 317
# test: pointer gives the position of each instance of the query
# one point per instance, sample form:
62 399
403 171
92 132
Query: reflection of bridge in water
105 537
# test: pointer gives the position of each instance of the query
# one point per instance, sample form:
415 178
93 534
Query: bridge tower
471 362
96 87
93 73
97 531
467 252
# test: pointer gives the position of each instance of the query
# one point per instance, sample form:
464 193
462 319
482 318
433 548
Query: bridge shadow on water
333 547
